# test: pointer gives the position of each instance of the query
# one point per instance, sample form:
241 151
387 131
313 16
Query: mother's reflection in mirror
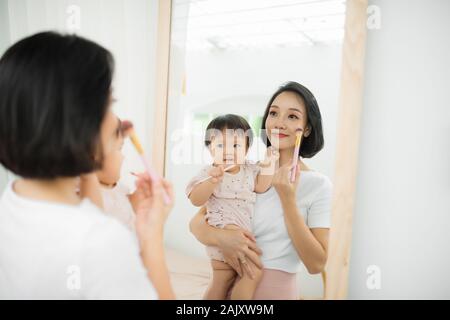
290 222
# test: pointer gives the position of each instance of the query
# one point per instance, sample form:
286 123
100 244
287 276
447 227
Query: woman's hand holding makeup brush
282 181
128 131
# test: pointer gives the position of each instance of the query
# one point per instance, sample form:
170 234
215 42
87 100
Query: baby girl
104 189
228 187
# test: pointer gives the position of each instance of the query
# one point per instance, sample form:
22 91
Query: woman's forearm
234 243
152 251
206 234
309 249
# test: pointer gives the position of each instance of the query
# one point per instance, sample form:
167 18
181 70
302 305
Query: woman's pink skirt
276 285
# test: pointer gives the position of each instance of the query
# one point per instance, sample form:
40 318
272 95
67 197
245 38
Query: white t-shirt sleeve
111 267
319 213
255 169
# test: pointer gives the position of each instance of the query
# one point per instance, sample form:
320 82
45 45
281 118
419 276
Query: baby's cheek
240 155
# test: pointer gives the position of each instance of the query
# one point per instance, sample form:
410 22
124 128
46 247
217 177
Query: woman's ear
307 131
99 154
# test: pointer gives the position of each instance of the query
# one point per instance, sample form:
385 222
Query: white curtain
127 28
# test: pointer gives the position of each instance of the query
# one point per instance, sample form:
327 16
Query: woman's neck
61 190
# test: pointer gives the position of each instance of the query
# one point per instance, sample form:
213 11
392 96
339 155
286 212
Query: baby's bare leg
245 287
222 278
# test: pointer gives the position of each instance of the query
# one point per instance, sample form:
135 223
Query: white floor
190 278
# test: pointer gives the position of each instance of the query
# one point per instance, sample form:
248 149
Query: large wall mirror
217 57
229 57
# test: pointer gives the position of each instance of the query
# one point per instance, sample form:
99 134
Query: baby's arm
263 183
201 192
264 179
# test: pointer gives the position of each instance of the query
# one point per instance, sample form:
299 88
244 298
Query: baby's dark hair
229 121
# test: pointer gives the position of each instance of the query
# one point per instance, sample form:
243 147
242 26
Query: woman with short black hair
56 125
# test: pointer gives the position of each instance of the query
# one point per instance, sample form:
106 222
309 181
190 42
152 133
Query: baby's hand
272 155
271 158
217 174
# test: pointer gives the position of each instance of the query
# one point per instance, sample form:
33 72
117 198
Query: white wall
127 28
4 25
402 218
3 178
4 42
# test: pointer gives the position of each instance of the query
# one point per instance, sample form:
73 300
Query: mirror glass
230 57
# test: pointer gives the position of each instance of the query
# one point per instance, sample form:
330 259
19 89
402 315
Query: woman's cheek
108 148
268 131
269 124
111 172
118 156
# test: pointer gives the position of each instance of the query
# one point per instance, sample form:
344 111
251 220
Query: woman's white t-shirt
314 194
56 251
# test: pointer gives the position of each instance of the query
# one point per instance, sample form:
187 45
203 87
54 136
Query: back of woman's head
54 94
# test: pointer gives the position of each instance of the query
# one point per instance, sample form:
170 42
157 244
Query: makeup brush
125 125
128 127
209 177
298 141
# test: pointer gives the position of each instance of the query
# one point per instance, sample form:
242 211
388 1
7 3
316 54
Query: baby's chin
229 163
